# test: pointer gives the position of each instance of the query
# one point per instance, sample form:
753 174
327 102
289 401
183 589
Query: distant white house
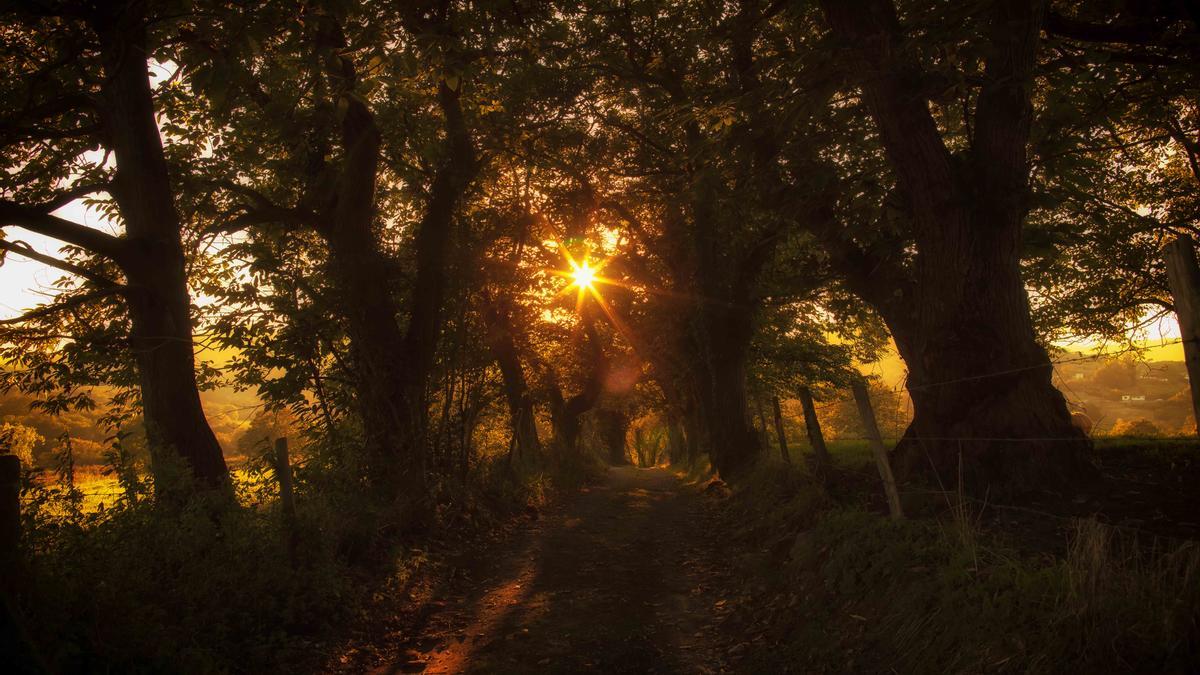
1129 397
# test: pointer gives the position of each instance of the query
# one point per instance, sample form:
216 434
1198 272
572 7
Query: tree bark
613 425
433 247
392 367
720 347
1184 276
978 378
812 426
566 414
361 275
676 446
152 257
523 425
779 431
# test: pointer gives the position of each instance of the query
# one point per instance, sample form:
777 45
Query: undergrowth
864 593
220 586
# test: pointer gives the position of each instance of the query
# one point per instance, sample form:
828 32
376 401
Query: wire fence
952 497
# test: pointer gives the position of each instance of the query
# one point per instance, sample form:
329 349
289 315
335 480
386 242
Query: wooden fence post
813 426
867 413
10 517
762 422
283 472
287 500
783 449
1184 276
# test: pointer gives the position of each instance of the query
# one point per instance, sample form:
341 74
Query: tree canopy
378 213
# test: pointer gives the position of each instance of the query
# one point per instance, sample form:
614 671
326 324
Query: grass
850 590
212 587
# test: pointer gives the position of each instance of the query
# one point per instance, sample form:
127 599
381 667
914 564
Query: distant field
102 490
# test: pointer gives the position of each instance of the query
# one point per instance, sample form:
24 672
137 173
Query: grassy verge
208 587
839 588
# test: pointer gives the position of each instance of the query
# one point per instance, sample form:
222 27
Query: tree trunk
719 373
985 390
1184 276
153 258
522 423
761 411
392 367
779 431
676 446
812 426
613 425
691 437
565 415
433 245
980 382
361 276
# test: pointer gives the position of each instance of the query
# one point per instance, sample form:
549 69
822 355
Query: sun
582 275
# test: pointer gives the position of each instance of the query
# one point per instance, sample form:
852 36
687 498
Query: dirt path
623 579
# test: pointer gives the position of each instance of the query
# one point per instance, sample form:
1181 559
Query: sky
24 283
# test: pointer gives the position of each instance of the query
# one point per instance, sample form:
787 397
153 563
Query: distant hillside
1111 390
229 412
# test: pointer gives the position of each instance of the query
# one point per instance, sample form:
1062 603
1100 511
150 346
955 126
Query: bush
200 588
1139 428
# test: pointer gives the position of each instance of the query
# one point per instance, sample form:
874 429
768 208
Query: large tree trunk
676 445
979 380
361 276
613 425
433 247
153 258
392 367
719 375
982 391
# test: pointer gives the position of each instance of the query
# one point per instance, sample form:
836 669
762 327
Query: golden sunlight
582 274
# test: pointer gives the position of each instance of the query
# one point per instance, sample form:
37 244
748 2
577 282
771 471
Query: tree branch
889 75
40 221
64 197
70 303
1139 34
21 248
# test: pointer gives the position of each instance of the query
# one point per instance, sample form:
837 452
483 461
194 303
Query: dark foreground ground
644 572
624 578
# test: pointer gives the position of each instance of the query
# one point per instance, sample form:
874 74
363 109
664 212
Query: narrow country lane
624 579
